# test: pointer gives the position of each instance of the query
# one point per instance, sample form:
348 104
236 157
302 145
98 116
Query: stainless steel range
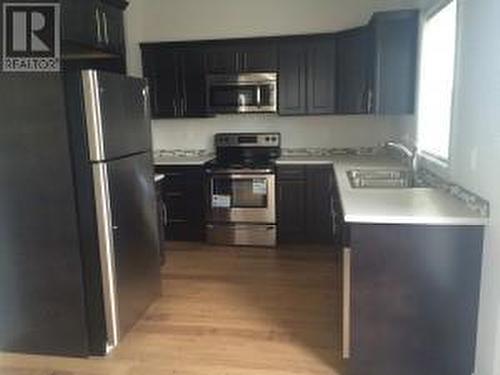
241 198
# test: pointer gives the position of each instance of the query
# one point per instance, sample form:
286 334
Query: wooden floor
224 311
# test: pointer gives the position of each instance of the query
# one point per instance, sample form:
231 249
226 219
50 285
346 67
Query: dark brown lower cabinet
305 204
414 293
183 195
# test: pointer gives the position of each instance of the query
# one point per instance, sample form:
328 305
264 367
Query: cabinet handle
346 303
174 104
237 61
369 101
98 25
165 213
105 24
183 106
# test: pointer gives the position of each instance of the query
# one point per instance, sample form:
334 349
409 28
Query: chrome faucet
410 152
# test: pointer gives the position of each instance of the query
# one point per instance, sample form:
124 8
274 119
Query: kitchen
344 196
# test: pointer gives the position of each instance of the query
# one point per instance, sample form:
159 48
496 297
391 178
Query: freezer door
129 240
117 115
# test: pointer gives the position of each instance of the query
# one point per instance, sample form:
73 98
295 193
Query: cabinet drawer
291 172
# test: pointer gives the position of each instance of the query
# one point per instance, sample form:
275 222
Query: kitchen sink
380 179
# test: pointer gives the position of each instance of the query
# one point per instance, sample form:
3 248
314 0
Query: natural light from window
437 74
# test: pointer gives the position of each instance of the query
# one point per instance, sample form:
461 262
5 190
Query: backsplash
319 151
182 153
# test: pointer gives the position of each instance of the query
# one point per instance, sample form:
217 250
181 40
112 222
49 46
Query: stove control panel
247 140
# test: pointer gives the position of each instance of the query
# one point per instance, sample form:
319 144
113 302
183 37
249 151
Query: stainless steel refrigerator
79 242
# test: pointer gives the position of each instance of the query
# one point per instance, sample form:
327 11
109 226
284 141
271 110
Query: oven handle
244 176
263 173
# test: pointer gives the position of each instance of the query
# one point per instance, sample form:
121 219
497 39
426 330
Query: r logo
31 37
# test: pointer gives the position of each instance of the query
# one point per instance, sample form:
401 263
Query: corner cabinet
176 76
393 62
411 297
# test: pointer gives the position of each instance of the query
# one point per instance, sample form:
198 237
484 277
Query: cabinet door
352 72
113 28
291 211
161 69
81 22
183 196
222 58
292 78
258 56
394 59
321 75
320 204
193 98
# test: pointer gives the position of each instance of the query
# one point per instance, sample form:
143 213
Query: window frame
428 159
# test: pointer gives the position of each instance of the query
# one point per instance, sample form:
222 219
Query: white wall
162 20
476 153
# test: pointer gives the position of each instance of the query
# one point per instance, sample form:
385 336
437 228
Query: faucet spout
411 154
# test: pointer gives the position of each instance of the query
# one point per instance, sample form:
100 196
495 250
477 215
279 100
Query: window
437 73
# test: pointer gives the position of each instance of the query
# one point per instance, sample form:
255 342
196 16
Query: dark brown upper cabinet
321 53
92 28
393 58
366 70
176 78
244 56
352 72
307 75
292 77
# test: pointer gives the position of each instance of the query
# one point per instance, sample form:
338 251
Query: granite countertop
424 206
182 160
182 157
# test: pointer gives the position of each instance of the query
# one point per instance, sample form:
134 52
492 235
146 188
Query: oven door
241 198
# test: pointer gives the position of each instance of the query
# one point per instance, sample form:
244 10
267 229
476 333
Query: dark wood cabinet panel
394 38
291 211
321 75
113 29
305 204
222 58
80 20
258 56
292 78
352 72
177 80
93 25
183 195
319 209
193 69
161 69
242 56
415 296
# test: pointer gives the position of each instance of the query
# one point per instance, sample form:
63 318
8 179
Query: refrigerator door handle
93 115
105 230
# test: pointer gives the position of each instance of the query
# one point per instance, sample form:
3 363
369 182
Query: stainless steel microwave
242 93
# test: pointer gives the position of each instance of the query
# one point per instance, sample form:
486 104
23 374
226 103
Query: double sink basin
381 179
